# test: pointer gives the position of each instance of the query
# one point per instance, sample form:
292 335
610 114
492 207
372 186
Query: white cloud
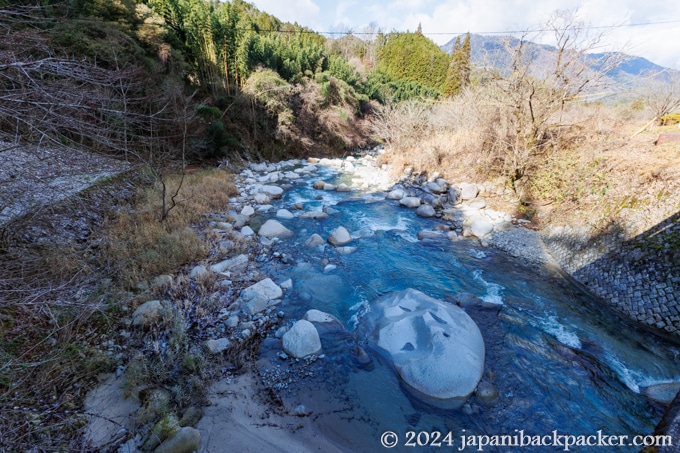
657 43
304 12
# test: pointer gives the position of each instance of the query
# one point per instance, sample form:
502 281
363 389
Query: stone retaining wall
639 277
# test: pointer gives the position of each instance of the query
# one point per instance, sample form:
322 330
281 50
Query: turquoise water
558 360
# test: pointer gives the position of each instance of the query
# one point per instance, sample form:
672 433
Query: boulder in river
396 194
273 228
436 348
410 202
340 236
302 339
314 240
425 210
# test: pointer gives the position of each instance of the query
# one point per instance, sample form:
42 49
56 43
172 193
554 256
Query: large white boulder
302 339
437 349
273 228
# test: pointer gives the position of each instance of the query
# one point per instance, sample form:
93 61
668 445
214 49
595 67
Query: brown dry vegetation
139 246
588 169
62 300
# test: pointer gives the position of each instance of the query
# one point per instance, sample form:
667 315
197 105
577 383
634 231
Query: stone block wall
639 277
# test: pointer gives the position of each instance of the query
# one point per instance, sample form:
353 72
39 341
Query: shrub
670 119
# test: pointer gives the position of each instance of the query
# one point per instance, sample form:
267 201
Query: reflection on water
557 360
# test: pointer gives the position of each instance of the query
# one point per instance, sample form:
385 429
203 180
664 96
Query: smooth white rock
302 339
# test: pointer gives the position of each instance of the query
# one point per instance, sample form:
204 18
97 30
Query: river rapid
558 360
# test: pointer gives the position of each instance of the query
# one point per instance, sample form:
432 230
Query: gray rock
314 240
247 211
424 337
185 440
410 202
287 285
434 187
453 195
217 346
255 305
198 272
164 428
237 220
302 339
343 188
481 227
313 215
477 203
284 214
662 393
319 185
236 265
396 194
329 267
281 331
466 300
261 198
148 313
486 392
232 321
346 250
162 281
468 191
425 210
247 231
340 236
320 317
264 288
329 187
272 192
192 415
273 228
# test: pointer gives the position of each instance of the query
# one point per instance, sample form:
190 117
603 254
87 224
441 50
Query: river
558 359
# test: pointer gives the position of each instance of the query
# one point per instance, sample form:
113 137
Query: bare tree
662 93
537 90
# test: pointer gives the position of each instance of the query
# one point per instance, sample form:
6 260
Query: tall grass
139 246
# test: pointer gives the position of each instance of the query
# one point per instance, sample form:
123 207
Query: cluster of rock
466 213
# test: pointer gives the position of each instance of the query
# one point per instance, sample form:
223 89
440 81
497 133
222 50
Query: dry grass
139 246
587 170
59 311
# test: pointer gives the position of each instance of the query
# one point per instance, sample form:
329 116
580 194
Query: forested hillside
237 81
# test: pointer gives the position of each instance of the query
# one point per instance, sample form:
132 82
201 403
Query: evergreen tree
458 73
413 57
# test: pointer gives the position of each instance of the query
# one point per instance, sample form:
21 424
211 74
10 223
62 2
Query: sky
441 20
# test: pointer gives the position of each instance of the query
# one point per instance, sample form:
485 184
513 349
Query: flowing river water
558 360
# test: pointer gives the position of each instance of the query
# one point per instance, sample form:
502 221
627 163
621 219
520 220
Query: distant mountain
489 52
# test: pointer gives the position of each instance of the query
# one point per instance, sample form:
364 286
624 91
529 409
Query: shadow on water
558 360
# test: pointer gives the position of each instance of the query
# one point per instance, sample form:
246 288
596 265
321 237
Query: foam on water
494 291
479 254
565 336
383 224
634 379
359 310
